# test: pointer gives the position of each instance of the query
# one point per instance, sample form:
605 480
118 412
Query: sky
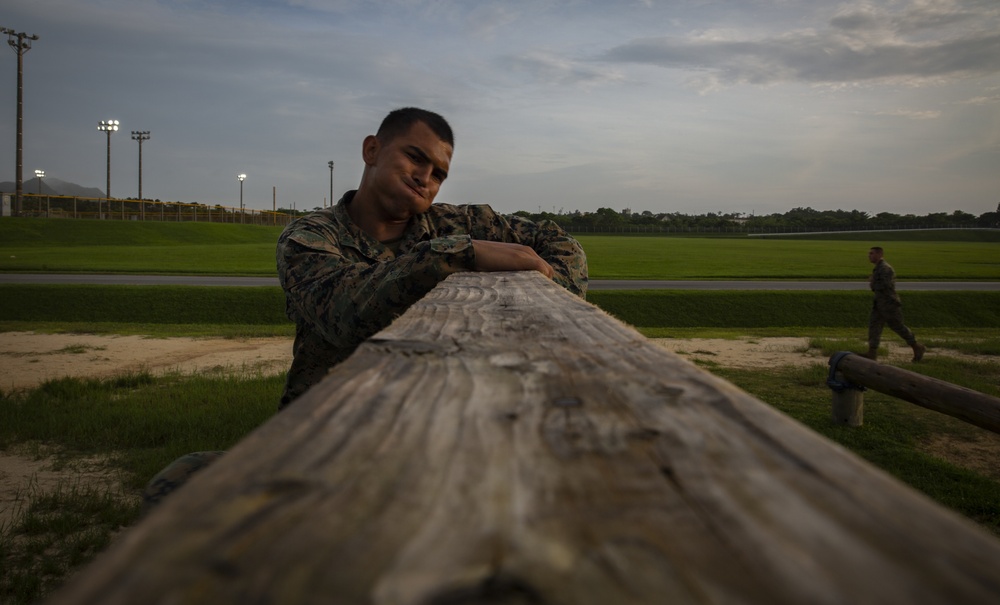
690 106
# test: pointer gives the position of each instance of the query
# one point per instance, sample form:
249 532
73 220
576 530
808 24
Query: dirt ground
28 359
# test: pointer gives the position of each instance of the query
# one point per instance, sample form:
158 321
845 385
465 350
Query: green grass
896 435
252 310
155 330
900 235
142 421
194 259
57 532
44 233
81 246
264 306
788 308
611 257
137 423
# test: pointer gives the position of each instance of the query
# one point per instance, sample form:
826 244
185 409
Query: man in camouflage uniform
887 308
349 270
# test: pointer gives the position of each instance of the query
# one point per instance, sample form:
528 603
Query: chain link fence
59 206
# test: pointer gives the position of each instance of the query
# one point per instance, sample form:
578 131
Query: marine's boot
918 351
870 354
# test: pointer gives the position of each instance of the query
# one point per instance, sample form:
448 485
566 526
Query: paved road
598 284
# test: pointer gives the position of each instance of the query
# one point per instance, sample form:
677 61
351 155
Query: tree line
795 220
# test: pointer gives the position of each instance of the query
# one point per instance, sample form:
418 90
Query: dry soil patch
28 359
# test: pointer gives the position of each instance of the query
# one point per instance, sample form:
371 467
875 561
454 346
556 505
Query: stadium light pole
141 135
39 174
21 43
109 126
331 182
241 178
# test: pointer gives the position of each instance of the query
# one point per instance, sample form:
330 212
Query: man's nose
422 175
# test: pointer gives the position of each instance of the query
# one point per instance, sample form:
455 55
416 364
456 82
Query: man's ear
369 149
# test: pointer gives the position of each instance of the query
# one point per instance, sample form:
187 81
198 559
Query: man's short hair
876 249
399 121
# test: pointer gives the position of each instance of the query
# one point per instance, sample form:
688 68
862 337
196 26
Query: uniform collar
416 231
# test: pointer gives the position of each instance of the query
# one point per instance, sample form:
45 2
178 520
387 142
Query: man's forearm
561 251
346 302
505 256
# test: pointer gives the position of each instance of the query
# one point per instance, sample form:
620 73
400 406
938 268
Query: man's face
874 256
407 171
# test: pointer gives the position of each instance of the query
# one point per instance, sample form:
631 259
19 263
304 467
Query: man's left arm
546 238
559 249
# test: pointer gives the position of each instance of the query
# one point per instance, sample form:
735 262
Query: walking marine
887 308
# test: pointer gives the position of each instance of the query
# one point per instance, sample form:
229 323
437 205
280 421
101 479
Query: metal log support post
505 441
971 406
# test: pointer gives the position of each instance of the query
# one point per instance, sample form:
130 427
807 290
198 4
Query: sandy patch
750 353
28 359
25 473
785 351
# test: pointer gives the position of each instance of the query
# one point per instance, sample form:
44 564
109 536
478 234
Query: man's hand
501 256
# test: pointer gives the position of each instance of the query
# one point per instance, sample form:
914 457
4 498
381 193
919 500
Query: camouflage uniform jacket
342 286
883 284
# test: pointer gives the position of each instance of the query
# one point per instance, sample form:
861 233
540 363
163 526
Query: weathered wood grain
505 442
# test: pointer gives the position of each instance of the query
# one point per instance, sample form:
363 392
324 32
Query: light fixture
241 177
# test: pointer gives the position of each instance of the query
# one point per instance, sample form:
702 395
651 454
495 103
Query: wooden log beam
971 406
504 441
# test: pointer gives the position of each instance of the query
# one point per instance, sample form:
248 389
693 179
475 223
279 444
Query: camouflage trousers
887 314
175 475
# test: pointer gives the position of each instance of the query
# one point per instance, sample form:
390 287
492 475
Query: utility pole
21 43
141 135
331 184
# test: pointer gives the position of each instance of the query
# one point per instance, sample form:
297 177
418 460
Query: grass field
674 258
27 304
78 246
140 422
60 245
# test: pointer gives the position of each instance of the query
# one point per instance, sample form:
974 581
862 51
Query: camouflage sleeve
346 301
548 239
557 248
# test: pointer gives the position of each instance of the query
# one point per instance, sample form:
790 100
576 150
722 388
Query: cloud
485 19
981 101
861 43
554 69
913 18
912 114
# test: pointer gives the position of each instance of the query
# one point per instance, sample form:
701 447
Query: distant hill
52 186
